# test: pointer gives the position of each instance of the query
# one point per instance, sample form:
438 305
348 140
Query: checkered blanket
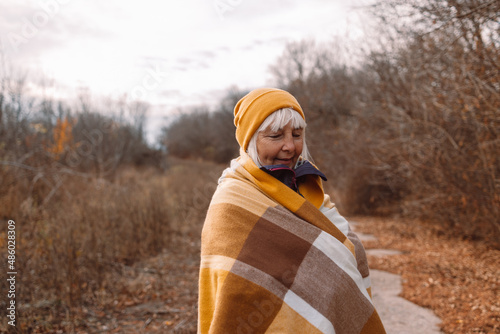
272 262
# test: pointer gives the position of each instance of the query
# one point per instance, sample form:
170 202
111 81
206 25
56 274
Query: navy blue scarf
293 177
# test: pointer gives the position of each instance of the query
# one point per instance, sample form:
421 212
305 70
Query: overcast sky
169 53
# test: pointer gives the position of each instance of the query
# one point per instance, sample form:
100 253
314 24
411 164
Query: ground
458 279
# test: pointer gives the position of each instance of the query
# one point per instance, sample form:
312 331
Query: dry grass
73 252
458 279
122 256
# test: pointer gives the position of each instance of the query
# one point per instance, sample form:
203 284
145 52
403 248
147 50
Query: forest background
407 127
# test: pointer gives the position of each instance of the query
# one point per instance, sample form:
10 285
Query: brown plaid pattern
266 269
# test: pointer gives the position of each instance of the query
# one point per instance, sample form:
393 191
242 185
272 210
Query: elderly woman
276 256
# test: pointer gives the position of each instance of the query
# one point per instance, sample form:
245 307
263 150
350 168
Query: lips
285 161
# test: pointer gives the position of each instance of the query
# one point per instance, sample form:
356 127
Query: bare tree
439 93
203 134
415 128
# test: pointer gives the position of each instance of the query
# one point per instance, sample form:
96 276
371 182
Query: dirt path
398 315
159 295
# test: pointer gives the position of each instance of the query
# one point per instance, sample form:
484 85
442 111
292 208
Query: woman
276 256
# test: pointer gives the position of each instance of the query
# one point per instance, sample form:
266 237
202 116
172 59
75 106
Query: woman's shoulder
234 187
242 193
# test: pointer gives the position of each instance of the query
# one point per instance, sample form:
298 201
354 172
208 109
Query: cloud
248 11
170 93
198 60
206 53
185 60
29 30
178 51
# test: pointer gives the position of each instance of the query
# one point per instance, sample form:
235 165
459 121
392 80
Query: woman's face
282 147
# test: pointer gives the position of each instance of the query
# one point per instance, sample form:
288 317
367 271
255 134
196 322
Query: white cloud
196 49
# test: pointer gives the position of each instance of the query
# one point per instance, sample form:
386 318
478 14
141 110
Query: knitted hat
253 109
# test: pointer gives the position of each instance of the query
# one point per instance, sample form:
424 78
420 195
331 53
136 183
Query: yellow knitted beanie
253 109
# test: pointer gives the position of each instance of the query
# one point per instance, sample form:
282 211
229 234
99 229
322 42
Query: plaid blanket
272 262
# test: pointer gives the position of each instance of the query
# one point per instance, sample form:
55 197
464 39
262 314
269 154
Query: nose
288 144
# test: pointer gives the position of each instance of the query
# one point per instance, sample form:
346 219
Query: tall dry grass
69 247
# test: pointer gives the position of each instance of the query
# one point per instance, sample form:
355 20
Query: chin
289 164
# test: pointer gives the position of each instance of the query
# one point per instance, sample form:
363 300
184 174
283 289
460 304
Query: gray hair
276 121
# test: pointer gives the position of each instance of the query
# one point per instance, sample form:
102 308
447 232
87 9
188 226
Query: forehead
288 126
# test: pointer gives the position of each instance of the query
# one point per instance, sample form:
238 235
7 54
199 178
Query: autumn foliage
409 126
405 124
63 137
